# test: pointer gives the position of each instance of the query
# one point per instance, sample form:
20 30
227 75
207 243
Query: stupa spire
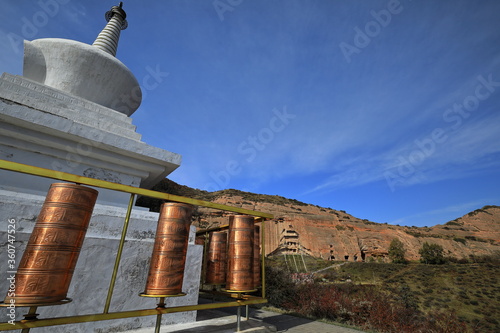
108 37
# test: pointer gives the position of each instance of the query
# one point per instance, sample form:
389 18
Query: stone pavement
292 324
226 324
261 321
282 322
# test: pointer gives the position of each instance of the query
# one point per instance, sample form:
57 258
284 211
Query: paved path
223 320
282 322
332 266
292 324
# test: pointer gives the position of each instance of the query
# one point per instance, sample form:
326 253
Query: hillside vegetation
168 186
461 297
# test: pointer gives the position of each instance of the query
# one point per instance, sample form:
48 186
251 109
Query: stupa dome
87 71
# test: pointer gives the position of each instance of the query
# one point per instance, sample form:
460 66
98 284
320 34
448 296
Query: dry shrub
366 307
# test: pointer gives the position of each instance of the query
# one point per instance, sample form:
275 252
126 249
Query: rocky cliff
300 228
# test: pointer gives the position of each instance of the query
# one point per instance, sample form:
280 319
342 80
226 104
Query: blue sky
388 110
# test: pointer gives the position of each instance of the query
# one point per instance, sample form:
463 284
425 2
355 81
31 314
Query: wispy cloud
464 154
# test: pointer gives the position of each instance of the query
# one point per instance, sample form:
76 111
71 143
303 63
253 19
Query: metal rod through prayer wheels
166 271
47 265
256 257
240 254
216 258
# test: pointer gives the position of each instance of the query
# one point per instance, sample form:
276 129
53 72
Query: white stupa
70 112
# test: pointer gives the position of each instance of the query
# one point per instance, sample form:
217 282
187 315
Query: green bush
397 252
453 223
432 254
460 240
280 287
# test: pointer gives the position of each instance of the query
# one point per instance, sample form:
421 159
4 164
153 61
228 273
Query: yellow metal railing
27 324
36 171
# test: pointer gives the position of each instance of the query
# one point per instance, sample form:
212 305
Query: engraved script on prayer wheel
256 257
216 258
166 271
240 254
47 265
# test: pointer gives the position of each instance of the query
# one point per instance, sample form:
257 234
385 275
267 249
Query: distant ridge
301 228
171 187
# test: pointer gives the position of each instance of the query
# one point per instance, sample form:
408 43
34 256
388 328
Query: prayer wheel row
233 258
47 265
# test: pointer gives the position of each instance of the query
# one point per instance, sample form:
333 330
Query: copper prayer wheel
166 271
216 258
256 257
47 265
240 254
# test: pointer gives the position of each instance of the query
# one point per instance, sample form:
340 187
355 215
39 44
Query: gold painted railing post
158 323
31 314
263 256
238 319
119 254
161 305
204 261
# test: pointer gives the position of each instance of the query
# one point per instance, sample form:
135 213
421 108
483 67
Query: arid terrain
300 228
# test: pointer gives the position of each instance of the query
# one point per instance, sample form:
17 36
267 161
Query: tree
431 254
397 252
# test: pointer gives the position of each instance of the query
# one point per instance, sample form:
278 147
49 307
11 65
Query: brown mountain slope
336 235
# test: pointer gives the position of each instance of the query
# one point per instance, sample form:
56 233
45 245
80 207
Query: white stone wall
45 127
